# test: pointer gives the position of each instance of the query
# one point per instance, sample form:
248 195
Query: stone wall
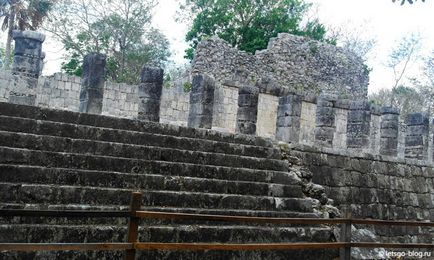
267 115
376 187
120 100
59 91
225 108
295 62
175 104
62 91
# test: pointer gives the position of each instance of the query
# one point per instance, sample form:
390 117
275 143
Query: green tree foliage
249 24
119 29
22 15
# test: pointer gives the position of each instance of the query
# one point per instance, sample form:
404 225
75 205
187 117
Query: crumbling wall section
297 63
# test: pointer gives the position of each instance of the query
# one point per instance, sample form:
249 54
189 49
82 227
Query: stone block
202 102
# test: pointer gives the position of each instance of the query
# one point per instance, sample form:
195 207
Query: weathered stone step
185 233
231 212
59 176
39 113
61 144
317 254
54 194
19 156
124 221
40 127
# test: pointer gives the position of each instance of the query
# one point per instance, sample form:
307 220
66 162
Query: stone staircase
52 159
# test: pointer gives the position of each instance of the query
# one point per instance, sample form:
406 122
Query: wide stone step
74 177
64 116
54 194
40 127
181 233
124 221
317 254
61 144
165 234
19 156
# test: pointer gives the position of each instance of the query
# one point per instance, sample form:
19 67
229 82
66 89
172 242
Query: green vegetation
119 29
22 15
248 25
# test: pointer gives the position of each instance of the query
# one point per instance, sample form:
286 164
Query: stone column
389 131
416 138
288 119
26 66
247 113
325 120
92 85
201 102
359 123
150 93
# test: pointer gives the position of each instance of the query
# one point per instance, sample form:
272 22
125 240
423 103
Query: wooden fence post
133 225
345 253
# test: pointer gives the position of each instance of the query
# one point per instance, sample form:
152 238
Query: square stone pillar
288 118
201 102
247 114
26 66
359 125
92 85
416 137
325 120
150 93
389 128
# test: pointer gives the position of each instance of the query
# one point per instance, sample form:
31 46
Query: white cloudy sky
379 19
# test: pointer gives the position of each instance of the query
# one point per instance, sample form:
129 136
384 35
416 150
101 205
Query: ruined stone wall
59 91
175 104
376 187
225 108
62 91
120 100
295 62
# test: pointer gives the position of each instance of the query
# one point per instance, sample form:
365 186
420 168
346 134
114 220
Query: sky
382 20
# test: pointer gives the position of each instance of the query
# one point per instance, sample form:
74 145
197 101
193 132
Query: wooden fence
135 214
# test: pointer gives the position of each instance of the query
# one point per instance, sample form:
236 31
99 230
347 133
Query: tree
404 1
406 99
119 29
400 59
246 24
22 15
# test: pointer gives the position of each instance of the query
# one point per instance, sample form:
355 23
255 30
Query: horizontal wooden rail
65 246
390 245
237 247
134 215
204 217
264 220
392 222
197 246
64 213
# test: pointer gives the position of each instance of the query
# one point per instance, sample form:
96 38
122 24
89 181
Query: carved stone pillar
359 125
247 114
288 118
325 120
389 131
26 66
150 93
416 138
201 102
92 86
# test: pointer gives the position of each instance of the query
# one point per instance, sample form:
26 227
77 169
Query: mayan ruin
277 154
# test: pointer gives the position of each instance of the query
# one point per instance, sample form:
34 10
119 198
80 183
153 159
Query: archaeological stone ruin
286 132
